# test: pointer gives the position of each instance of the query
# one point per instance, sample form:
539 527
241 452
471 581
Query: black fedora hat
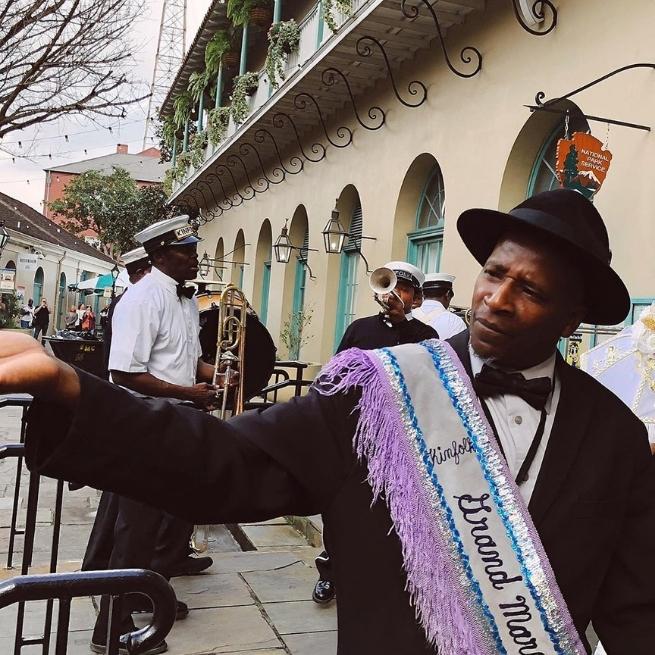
568 217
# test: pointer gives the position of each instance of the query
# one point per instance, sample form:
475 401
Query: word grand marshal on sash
477 573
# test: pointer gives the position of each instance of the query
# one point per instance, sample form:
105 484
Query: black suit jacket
594 501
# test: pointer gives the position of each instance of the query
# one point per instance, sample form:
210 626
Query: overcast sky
25 178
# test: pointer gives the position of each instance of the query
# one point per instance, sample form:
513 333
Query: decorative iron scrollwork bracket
468 54
543 10
414 88
331 76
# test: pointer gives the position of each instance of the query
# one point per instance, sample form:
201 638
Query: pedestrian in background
41 319
88 320
27 314
71 318
81 308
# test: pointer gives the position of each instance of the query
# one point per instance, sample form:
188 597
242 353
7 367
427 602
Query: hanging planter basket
261 17
231 59
251 90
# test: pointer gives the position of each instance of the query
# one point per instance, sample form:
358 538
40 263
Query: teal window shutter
347 295
298 305
266 285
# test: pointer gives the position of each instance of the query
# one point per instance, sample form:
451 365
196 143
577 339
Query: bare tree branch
65 57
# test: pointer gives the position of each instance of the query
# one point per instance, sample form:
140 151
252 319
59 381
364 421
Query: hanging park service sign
582 163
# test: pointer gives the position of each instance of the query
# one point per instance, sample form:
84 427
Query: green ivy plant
218 45
167 182
181 166
182 105
197 146
330 7
217 124
283 39
244 85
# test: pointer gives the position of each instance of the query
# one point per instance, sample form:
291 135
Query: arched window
543 176
37 293
426 240
348 274
11 265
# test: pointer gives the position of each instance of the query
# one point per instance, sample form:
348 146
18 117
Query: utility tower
170 54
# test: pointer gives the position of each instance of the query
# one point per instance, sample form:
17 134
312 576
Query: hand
202 395
25 367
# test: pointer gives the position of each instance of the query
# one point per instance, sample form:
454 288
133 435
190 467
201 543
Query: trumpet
383 283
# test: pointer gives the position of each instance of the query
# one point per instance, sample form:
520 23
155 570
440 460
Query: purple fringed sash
414 397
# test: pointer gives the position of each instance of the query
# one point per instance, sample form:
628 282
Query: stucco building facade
471 140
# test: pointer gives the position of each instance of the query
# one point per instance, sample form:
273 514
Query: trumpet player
156 352
392 326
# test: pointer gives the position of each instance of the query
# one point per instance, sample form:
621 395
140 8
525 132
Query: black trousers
131 535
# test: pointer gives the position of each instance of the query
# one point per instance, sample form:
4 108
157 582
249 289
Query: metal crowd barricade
15 400
269 395
66 586
17 451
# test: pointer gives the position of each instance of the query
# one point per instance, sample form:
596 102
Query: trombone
230 348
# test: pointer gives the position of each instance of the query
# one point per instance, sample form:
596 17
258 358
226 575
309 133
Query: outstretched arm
291 458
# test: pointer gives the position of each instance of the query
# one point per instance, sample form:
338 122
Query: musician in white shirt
437 294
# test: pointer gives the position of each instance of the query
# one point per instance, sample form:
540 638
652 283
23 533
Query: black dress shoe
324 592
98 647
190 566
142 605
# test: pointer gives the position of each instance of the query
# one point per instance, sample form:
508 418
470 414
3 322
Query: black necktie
183 290
494 382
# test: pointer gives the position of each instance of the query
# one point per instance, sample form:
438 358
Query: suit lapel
573 414
460 344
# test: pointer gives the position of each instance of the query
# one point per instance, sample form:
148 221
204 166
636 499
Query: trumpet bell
382 281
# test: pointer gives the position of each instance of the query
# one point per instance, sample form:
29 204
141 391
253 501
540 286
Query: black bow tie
183 290
493 382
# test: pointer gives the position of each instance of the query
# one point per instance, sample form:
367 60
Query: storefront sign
7 279
28 262
582 163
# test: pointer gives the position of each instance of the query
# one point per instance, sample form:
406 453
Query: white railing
309 28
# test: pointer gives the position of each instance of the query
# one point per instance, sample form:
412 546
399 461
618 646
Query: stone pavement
256 602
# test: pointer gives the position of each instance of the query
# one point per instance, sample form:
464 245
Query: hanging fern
238 11
197 84
218 45
330 7
182 105
283 39
243 86
217 124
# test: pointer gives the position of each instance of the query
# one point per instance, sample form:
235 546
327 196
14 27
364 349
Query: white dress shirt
154 331
517 421
444 322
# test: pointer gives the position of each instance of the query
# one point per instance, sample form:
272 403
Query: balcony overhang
310 100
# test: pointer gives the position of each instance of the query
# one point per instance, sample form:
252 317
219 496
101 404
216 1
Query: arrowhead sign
582 163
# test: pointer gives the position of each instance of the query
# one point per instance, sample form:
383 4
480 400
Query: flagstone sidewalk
256 602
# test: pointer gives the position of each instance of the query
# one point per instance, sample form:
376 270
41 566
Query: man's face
526 297
398 309
139 274
178 262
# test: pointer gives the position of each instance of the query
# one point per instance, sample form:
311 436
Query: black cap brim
608 300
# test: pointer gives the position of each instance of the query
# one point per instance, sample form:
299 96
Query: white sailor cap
178 231
438 280
408 272
134 256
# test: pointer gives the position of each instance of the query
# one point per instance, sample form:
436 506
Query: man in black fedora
580 458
